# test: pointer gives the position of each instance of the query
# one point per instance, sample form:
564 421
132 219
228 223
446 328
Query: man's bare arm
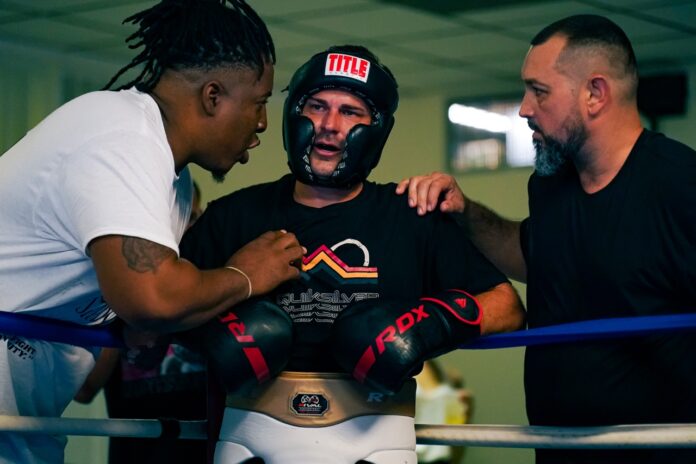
496 237
151 288
502 310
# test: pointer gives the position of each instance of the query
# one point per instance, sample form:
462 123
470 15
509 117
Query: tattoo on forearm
143 255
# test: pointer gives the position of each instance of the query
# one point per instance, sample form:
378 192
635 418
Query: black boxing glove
245 346
383 343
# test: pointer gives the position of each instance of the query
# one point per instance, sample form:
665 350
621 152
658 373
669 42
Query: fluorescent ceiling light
478 118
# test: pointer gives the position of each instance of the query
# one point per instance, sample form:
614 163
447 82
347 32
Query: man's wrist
239 271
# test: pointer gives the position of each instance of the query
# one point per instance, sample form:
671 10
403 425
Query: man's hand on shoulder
425 192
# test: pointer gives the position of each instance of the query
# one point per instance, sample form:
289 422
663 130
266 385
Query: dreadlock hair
202 34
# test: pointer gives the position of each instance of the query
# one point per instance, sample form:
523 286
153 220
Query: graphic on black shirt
325 264
318 299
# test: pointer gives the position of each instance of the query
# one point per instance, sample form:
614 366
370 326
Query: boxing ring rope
535 436
500 436
24 325
142 428
509 436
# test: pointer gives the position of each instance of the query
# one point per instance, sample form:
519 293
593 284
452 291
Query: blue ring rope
587 330
53 330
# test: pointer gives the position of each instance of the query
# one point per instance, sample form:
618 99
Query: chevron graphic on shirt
324 261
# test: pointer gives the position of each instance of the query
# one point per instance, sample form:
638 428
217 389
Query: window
487 135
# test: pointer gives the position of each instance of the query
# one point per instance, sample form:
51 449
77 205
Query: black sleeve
524 239
678 198
230 222
456 262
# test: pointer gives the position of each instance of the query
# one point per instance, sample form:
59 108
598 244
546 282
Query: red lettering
347 60
461 302
236 328
228 317
253 354
347 65
363 68
405 322
420 313
387 335
332 61
354 66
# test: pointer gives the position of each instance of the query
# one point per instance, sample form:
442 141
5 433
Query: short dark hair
202 34
594 31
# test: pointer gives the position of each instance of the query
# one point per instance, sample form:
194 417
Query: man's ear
599 94
211 94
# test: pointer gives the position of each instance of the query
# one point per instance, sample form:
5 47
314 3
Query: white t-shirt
99 165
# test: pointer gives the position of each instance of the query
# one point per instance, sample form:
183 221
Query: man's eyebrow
532 80
354 107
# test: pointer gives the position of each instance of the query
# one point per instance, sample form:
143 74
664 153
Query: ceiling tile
469 46
51 33
378 23
474 53
659 53
528 14
684 14
274 8
113 13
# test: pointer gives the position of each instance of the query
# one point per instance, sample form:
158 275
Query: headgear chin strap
360 75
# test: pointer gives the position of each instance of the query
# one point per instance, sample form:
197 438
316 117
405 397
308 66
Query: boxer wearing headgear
370 260
358 72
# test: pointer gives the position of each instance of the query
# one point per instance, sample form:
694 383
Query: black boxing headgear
357 72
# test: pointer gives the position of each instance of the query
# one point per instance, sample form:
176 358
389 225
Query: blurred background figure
441 399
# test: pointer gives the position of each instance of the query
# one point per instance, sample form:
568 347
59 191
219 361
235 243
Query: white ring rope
516 436
144 428
504 436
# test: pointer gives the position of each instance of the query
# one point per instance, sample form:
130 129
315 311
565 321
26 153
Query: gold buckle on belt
314 399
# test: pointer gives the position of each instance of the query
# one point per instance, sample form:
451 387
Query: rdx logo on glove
402 325
236 328
252 353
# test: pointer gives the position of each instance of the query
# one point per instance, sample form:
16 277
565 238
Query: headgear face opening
354 72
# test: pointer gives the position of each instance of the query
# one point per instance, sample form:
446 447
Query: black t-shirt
627 250
373 246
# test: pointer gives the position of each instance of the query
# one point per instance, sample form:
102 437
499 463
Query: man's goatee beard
553 156
218 176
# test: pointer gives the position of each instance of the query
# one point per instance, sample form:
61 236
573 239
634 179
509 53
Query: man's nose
263 122
525 107
330 121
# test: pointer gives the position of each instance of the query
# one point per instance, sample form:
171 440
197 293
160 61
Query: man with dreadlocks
96 197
